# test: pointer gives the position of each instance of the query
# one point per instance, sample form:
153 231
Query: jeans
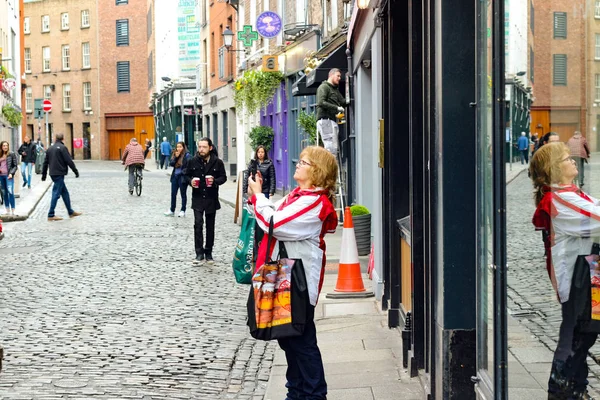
132 175
8 191
199 245
178 183
569 368
59 189
524 156
580 169
305 373
164 160
26 172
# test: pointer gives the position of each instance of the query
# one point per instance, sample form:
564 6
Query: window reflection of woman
569 219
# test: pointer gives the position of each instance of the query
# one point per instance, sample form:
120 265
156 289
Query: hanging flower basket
255 90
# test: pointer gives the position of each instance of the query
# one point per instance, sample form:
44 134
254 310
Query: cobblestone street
531 298
110 305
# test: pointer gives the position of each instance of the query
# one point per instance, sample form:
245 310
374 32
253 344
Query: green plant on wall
12 116
308 123
255 90
261 136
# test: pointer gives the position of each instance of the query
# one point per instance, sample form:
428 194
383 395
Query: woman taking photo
8 169
179 181
569 220
300 220
261 163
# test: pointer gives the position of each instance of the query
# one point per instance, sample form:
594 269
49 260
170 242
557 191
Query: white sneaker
181 214
169 214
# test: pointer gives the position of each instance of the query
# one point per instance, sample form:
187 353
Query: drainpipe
351 184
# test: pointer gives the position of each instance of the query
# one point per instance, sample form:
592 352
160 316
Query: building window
85 55
46 58
531 63
26 26
150 70
66 58
597 47
45 23
29 99
149 23
85 18
120 2
66 97
597 87
122 32
597 9
48 92
532 16
64 21
27 56
123 76
87 95
560 25
560 70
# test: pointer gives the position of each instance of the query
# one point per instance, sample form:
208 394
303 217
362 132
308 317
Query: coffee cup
209 180
195 182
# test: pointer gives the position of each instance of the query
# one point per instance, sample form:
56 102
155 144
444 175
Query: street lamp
228 39
363 4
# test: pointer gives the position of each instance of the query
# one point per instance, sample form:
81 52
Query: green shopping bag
242 258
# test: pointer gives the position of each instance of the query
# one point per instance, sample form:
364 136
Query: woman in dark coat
262 164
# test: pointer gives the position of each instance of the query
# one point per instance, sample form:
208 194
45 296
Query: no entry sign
47 105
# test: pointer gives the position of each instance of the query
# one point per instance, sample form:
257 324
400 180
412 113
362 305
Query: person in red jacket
301 220
133 158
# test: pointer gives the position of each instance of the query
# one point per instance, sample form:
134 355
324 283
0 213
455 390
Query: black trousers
202 248
569 367
581 169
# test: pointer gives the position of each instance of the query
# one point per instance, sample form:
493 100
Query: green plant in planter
357 210
255 90
308 123
13 117
261 136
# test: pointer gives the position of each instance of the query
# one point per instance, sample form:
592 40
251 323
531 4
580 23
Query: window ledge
85 27
85 68
66 111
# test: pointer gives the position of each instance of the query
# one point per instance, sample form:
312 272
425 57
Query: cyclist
133 158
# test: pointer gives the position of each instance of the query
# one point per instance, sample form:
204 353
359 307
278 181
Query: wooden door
117 140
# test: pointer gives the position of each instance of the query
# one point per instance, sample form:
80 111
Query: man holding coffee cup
206 173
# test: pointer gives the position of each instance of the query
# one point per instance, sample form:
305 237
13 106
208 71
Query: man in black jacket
28 154
58 160
330 102
206 173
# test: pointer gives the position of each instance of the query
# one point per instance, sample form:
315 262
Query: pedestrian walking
28 154
8 168
301 220
179 179
165 153
133 157
580 152
570 219
206 172
148 147
57 164
523 145
330 102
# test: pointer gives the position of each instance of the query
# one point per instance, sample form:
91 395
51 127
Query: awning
307 85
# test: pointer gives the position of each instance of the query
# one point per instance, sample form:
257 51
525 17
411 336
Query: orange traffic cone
349 283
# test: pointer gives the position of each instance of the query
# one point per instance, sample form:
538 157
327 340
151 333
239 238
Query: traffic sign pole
47 133
47 105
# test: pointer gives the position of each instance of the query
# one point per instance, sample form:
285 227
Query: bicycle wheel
138 184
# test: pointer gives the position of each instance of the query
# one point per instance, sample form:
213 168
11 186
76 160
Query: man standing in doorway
523 145
580 152
330 102
206 173
165 153
57 161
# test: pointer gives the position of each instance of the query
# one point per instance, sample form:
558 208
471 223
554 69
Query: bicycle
137 172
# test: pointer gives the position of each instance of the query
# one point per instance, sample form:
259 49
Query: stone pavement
109 305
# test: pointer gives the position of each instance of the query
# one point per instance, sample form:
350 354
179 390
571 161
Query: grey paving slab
394 391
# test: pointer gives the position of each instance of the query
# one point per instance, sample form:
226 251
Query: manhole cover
71 383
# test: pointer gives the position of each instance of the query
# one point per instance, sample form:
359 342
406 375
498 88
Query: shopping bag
584 297
244 250
278 302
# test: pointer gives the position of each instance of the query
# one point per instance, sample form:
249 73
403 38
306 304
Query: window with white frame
47 92
45 23
597 9
87 95
85 18
66 57
597 47
26 26
46 58
27 56
66 97
597 87
85 55
29 99
64 21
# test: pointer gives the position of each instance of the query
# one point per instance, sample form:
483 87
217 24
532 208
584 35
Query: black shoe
582 396
24 184
199 258
131 192
209 257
